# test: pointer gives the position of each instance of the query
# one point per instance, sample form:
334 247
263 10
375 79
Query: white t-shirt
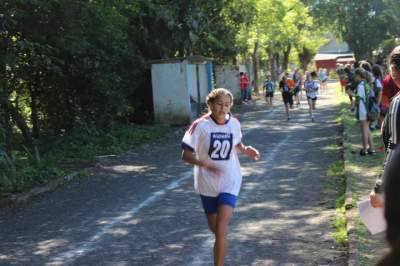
312 88
215 143
362 110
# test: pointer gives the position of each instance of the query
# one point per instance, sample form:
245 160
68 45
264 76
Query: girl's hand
252 153
211 167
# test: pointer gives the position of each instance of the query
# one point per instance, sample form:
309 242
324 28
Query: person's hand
350 92
376 200
211 167
252 153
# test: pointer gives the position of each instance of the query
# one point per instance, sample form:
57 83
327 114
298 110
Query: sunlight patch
131 168
45 247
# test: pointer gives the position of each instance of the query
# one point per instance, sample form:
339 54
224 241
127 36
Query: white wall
192 81
203 82
170 93
227 76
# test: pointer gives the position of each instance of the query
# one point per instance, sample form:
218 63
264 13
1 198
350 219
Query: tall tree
362 25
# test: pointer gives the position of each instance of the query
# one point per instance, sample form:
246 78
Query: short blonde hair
216 94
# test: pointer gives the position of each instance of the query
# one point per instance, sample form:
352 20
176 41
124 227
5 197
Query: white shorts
362 112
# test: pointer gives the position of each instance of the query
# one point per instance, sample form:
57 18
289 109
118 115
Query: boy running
212 144
269 87
286 96
312 88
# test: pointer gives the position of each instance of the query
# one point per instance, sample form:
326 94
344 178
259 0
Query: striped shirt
393 120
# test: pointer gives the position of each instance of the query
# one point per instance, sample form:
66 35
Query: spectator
244 83
377 86
361 114
342 77
391 173
350 85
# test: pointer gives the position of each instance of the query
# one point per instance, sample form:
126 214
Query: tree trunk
277 62
255 66
34 108
5 131
286 54
272 60
18 119
305 58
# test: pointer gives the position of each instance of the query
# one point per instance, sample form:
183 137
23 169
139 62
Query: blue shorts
210 204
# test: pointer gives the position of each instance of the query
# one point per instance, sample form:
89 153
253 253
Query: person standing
243 86
248 86
391 172
351 85
361 112
342 77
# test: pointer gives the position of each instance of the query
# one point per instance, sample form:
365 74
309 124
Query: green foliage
22 170
363 26
282 33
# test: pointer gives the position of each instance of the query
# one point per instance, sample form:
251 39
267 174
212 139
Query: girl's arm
190 157
248 150
379 100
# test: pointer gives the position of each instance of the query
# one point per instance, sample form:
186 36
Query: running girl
212 144
312 88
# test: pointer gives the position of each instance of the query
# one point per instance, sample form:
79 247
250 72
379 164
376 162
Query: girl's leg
351 102
310 107
287 110
313 104
364 134
221 244
212 222
370 139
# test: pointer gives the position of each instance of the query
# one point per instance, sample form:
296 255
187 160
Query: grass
335 186
25 169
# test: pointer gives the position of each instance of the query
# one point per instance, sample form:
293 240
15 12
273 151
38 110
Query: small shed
227 76
180 87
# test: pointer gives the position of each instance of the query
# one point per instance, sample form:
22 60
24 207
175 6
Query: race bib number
220 146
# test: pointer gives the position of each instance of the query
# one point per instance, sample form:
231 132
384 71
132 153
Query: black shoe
371 152
362 152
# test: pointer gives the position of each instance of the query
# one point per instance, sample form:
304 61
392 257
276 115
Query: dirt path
140 208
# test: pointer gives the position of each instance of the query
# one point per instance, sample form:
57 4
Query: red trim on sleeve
193 126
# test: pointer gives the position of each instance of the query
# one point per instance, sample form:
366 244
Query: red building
333 53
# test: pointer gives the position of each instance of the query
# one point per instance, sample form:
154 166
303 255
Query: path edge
353 256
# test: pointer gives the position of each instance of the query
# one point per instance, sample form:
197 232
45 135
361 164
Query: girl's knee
222 230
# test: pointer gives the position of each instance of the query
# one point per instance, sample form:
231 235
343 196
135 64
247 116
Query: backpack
371 104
